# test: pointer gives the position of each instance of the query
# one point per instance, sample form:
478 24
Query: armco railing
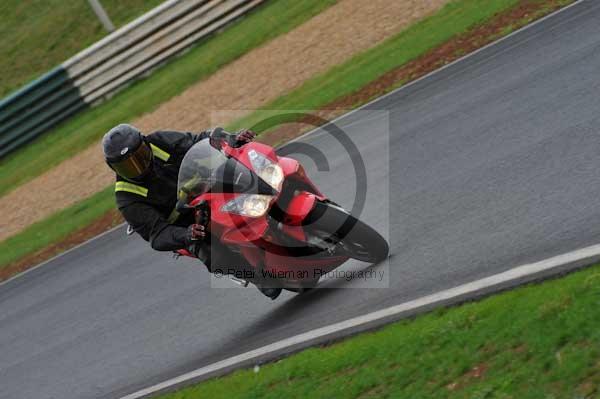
110 64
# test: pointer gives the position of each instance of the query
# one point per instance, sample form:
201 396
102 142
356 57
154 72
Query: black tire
332 224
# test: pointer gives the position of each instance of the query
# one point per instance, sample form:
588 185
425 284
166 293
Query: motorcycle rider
147 168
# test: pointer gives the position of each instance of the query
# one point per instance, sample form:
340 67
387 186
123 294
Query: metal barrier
110 64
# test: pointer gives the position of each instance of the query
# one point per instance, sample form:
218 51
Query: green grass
56 227
37 35
535 342
274 18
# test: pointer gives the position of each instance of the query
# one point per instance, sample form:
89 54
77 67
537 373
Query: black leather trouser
218 258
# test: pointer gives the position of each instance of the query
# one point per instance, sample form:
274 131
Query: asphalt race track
492 163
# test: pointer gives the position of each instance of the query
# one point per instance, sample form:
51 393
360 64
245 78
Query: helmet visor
136 164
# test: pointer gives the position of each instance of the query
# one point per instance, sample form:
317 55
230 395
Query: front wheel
333 228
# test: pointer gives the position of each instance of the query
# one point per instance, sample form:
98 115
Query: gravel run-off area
262 75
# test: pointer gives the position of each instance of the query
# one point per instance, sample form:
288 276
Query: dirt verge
522 14
255 79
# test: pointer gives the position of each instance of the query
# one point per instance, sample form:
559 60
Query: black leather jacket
146 205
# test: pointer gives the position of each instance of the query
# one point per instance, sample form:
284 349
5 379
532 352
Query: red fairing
289 166
246 233
300 206
293 169
263 240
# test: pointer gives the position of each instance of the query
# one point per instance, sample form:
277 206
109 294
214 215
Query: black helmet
126 152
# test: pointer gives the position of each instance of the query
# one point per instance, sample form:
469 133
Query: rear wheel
334 229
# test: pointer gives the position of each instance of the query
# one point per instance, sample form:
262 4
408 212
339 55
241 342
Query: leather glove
244 136
195 232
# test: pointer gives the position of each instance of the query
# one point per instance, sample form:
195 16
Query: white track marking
338 329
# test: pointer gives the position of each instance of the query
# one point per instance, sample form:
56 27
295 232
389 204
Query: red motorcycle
266 208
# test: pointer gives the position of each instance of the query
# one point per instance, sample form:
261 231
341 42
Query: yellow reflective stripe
173 216
159 153
131 188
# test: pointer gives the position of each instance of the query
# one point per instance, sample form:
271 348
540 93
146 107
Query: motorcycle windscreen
205 168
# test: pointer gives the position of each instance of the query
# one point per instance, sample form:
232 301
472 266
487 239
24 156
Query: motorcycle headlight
253 205
267 170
